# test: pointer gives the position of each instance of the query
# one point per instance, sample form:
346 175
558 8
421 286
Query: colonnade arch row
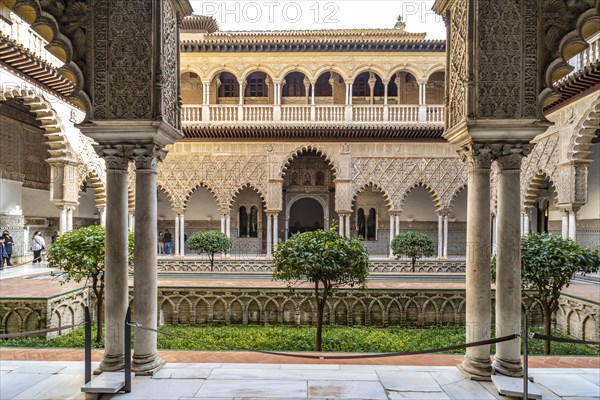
315 71
72 159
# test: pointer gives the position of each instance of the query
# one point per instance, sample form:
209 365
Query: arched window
360 87
243 222
320 178
372 225
229 85
294 85
254 222
294 179
323 87
361 223
256 85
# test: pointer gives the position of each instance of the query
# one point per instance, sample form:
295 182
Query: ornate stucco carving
457 65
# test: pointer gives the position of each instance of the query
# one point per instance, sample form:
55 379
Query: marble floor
29 380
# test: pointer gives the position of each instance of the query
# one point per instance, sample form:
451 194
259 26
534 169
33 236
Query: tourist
168 241
54 236
161 243
8 245
3 254
37 245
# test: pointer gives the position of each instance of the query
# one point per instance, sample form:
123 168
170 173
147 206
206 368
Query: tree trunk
414 260
99 292
211 257
547 326
320 308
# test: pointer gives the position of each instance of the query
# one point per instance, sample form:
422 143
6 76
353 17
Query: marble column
63 219
223 223
526 228
102 211
228 225
573 224
440 236
565 223
275 231
494 234
181 234
69 219
116 289
397 224
347 226
392 233
341 219
145 279
508 260
445 243
476 364
269 234
176 235
131 221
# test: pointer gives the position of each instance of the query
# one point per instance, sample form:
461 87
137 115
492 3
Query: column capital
115 156
478 155
511 155
147 156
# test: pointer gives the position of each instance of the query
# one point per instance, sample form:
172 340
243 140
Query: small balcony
326 114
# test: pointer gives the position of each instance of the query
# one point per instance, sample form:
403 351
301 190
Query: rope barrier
348 357
562 340
37 332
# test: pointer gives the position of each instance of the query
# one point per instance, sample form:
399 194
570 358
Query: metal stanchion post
88 345
525 359
127 387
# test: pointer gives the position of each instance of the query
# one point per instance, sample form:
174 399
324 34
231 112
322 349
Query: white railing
223 113
191 113
258 113
586 58
21 32
435 113
322 113
295 113
367 113
403 113
330 113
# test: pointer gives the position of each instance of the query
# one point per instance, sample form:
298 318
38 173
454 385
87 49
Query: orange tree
548 263
326 260
78 255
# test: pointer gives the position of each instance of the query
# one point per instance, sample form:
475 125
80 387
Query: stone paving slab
180 381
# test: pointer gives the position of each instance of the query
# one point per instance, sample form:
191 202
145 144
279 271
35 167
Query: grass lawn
284 338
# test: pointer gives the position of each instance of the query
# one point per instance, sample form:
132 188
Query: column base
146 365
512 368
476 370
112 363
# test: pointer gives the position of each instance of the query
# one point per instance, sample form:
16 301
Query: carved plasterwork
457 79
442 177
179 175
541 163
122 44
170 66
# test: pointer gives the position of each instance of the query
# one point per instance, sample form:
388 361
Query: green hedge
282 338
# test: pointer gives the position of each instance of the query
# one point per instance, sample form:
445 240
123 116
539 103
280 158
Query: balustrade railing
322 113
403 113
586 58
367 113
21 32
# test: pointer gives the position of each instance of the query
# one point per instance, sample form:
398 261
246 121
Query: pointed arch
437 201
585 132
533 186
450 204
305 149
190 192
248 185
371 184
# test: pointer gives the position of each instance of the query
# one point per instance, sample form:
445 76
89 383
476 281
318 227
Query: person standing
3 254
8 246
168 241
37 245
161 243
54 236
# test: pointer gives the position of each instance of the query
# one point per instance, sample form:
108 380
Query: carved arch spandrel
397 176
180 173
